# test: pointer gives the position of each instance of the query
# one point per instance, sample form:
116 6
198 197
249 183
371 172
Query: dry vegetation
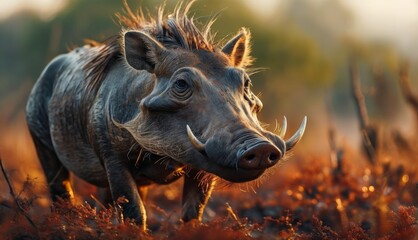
340 195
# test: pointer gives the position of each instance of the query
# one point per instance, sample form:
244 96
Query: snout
238 154
260 156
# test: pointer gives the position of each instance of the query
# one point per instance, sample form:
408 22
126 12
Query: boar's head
201 110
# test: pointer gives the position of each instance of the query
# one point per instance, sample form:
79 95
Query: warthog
156 103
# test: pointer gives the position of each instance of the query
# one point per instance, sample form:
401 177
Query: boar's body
124 114
78 124
75 126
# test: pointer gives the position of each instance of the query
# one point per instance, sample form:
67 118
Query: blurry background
305 45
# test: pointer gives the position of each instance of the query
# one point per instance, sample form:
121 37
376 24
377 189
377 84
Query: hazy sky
395 21
45 8
387 20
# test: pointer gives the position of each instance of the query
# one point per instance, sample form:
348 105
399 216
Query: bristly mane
176 30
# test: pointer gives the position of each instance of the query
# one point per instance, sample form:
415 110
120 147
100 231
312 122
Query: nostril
273 157
260 156
250 157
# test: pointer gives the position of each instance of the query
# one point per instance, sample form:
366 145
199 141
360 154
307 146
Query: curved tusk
283 128
291 142
193 139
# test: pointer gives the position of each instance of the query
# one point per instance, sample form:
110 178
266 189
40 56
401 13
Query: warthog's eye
181 85
181 89
247 84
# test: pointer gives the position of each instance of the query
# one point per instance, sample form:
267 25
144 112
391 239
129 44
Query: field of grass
338 195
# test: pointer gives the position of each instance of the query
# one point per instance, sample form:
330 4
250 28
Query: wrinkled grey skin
132 132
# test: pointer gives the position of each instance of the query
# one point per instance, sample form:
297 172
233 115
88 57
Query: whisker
251 187
253 71
276 126
138 158
187 170
167 163
198 174
148 156
129 152
161 160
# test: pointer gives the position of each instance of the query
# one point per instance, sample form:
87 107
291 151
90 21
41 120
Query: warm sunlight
393 21
44 8
148 119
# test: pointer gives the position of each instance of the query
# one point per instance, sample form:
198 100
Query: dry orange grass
306 198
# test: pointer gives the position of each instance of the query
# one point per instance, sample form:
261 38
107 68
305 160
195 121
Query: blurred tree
378 64
326 21
301 49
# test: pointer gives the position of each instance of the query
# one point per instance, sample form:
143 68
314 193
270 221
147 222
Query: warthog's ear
142 52
238 49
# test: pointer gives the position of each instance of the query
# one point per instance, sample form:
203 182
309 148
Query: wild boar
158 102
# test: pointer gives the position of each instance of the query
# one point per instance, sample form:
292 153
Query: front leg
122 184
196 192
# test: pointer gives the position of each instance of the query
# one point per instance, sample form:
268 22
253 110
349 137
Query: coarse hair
174 30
